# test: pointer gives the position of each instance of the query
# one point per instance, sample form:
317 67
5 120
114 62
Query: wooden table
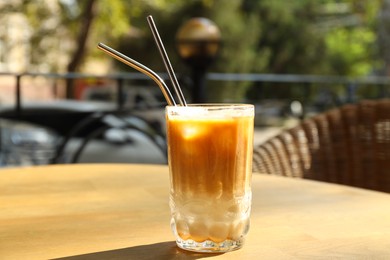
119 211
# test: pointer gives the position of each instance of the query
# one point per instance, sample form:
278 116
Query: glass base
210 246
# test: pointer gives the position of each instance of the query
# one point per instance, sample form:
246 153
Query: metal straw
167 63
141 68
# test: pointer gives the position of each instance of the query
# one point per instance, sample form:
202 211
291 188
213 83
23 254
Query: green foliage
111 20
258 36
238 50
294 46
350 51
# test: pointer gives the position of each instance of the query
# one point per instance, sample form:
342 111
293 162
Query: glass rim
210 110
214 105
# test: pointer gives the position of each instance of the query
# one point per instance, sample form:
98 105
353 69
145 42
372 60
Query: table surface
120 211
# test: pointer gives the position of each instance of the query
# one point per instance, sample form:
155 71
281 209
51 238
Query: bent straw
167 63
141 68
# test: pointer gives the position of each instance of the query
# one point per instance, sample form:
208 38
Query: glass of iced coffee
210 162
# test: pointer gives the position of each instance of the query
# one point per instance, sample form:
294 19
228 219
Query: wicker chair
349 145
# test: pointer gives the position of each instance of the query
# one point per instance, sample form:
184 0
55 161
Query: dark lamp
198 41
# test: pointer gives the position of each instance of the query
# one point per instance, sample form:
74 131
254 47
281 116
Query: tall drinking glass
210 163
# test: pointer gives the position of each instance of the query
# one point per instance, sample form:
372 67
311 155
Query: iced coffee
210 161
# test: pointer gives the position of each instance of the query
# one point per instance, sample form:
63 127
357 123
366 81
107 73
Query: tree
86 19
350 35
267 36
384 36
106 13
66 29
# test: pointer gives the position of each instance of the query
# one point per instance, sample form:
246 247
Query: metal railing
13 153
351 84
382 84
119 78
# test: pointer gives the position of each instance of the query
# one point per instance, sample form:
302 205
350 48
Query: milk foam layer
198 112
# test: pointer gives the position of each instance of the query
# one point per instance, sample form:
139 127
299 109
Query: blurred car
32 134
144 101
26 144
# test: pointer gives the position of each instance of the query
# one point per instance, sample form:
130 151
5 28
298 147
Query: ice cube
198 229
238 229
219 231
182 228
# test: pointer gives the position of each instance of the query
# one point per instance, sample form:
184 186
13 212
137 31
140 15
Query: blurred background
64 101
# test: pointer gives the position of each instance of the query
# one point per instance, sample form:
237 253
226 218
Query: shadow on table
162 251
